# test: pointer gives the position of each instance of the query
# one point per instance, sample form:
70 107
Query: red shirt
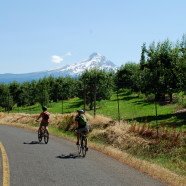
44 118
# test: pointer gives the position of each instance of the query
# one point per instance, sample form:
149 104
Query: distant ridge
95 60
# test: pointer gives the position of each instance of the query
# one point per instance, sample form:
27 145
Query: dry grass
158 134
117 139
153 170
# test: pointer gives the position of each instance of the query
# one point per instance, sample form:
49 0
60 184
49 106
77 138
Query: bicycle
82 146
43 133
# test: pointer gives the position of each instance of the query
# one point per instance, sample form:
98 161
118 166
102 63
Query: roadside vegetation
134 108
140 109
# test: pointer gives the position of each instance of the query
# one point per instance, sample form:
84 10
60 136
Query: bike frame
82 147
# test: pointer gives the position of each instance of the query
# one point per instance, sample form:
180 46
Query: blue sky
38 35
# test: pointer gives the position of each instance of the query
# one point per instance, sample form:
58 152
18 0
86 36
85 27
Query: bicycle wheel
46 136
39 136
84 146
79 149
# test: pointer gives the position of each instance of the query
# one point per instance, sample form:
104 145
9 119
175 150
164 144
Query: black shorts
84 129
43 124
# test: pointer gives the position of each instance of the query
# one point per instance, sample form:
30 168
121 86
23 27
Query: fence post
84 95
62 106
156 111
94 100
118 106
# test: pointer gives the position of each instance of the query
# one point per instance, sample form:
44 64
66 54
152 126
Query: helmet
81 111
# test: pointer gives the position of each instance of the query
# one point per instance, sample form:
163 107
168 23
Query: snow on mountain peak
95 60
96 56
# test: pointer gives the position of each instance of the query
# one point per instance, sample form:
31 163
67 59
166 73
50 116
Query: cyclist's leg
78 133
78 137
45 127
86 134
40 126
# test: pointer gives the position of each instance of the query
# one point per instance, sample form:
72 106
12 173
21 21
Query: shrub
67 123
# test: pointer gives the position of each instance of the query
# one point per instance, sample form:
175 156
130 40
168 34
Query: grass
132 108
167 162
68 106
136 108
165 148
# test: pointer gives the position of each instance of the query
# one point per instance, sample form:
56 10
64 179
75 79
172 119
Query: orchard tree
159 71
42 90
95 85
14 89
6 100
127 77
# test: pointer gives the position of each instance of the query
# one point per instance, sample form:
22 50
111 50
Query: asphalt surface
57 163
1 170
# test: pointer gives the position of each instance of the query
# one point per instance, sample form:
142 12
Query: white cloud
68 54
57 59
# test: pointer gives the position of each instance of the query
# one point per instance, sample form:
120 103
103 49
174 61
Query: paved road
1 170
57 164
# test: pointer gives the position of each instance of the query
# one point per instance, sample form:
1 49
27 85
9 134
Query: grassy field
68 106
132 108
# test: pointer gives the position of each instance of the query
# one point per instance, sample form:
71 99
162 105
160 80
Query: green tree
42 88
14 89
97 84
159 74
6 100
127 76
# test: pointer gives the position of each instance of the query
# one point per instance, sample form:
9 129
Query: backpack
81 121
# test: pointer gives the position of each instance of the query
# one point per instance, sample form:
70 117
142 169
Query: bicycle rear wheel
84 146
79 149
46 136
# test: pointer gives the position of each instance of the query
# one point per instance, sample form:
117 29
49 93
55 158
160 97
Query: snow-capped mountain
95 60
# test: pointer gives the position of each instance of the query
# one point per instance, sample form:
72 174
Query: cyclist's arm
39 117
76 122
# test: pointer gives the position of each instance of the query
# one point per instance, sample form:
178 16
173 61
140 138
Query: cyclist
81 124
45 118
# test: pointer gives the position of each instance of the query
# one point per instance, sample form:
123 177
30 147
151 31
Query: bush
182 99
150 97
67 123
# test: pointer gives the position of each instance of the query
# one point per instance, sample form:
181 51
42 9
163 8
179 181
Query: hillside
95 60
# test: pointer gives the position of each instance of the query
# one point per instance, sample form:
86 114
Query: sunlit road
57 163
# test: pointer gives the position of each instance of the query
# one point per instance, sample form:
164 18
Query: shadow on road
33 143
69 156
